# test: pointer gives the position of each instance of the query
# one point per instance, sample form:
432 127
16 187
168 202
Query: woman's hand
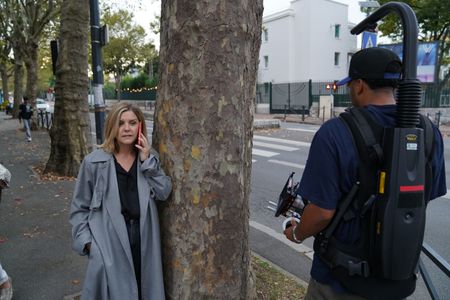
87 248
144 148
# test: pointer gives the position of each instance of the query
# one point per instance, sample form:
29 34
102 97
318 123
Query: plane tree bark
203 131
70 133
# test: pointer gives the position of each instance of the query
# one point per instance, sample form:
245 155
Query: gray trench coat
96 218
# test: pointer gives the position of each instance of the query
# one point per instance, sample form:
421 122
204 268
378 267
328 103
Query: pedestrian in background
25 113
114 214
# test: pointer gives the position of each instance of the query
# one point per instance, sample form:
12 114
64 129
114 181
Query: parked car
41 104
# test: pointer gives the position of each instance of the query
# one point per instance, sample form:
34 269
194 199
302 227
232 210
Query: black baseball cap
373 63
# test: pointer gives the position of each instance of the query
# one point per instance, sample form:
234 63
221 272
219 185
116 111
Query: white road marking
254 160
303 130
280 237
286 163
283 141
263 153
274 146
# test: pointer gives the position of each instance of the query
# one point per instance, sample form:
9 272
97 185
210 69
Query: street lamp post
97 70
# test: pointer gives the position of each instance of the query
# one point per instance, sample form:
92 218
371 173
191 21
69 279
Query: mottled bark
70 132
5 79
203 132
31 64
18 84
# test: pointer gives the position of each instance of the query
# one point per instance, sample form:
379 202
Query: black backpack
357 265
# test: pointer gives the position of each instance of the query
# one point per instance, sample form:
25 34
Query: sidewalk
35 238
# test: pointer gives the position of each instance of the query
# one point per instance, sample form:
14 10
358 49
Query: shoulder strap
362 127
427 127
428 138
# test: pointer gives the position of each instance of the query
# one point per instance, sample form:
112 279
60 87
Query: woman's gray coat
96 218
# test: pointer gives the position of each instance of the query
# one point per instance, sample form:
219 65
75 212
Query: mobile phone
139 134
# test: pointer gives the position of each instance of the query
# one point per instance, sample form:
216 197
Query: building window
266 35
336 58
266 61
337 31
349 58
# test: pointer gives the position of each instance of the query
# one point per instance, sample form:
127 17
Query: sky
150 8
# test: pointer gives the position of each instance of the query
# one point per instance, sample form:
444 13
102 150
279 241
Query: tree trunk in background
31 62
70 133
5 79
118 87
203 132
150 69
18 84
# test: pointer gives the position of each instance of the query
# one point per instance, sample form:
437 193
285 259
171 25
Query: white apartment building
309 40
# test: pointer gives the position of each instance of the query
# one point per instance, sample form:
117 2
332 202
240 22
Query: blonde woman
113 214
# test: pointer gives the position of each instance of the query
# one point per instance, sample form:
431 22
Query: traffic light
332 86
335 86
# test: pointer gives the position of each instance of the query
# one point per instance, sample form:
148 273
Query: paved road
272 164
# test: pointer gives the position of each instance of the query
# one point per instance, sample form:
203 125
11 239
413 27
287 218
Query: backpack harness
358 265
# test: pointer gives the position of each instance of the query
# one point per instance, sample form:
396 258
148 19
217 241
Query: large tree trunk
18 84
70 133
31 62
203 132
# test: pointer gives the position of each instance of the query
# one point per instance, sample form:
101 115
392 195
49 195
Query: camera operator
332 166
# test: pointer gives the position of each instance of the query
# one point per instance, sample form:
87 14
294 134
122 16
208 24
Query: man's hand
289 231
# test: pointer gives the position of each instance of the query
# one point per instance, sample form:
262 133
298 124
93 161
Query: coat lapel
113 206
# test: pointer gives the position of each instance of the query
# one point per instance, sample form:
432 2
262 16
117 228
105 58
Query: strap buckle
360 268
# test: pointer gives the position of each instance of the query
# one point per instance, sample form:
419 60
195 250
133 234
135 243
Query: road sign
369 39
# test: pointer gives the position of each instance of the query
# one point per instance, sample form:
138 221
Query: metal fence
126 95
44 119
293 97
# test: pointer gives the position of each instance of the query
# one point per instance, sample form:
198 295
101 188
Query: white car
41 104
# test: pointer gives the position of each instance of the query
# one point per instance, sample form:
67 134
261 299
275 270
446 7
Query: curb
76 296
266 123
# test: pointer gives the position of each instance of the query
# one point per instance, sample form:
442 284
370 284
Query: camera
290 204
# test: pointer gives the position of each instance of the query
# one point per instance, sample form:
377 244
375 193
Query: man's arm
314 220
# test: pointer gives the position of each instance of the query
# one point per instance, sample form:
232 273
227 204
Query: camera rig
290 204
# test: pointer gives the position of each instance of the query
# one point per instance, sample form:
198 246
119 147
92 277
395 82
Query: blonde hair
112 124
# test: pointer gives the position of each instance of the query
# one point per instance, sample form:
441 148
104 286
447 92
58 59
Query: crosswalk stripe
289 142
274 146
286 163
301 129
263 153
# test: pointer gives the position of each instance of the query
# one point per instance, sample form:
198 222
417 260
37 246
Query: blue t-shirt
331 170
